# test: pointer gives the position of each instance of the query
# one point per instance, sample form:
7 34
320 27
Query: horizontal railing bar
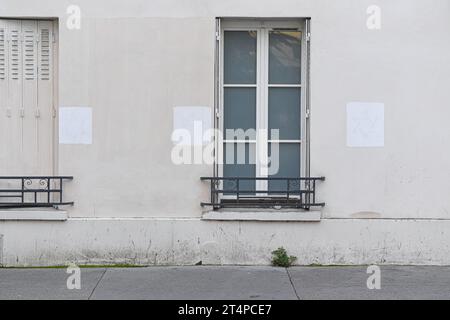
32 190
19 204
270 204
263 204
263 191
264 200
264 178
35 177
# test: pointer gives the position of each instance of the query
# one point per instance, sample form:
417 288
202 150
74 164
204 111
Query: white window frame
263 27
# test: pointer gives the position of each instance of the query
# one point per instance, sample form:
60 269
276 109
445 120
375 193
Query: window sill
30 214
263 215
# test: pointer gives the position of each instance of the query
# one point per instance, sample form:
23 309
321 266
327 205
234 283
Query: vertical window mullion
265 105
220 120
217 96
262 153
258 103
307 93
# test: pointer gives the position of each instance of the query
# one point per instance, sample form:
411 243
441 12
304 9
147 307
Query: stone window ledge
263 215
33 214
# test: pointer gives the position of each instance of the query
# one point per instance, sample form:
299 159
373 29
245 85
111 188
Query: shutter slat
30 54
15 54
2 53
44 61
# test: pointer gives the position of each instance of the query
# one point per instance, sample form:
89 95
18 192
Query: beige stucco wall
133 61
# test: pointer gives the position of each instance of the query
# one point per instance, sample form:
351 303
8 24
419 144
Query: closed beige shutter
3 94
26 101
45 96
29 148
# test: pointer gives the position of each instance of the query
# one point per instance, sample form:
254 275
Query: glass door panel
239 108
284 105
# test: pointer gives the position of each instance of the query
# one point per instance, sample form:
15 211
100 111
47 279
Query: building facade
115 119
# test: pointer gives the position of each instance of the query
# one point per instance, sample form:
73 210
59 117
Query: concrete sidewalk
227 282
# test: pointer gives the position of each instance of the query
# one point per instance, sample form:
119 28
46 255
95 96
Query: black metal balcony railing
32 191
242 192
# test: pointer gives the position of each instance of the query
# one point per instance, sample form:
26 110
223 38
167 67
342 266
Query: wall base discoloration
188 241
1 250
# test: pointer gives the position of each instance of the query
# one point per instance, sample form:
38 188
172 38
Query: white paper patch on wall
75 125
191 125
365 124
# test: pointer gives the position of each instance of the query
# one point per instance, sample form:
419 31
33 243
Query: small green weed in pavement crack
280 258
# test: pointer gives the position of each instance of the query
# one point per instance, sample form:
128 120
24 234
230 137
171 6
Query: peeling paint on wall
366 215
1 250
186 242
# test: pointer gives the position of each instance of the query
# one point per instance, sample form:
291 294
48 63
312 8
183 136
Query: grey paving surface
51 284
202 282
397 282
197 283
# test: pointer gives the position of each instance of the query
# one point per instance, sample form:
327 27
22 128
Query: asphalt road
227 282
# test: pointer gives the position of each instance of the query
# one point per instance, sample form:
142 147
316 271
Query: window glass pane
240 162
288 163
284 112
240 110
240 57
284 57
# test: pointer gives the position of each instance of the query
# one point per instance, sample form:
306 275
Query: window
262 102
262 116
